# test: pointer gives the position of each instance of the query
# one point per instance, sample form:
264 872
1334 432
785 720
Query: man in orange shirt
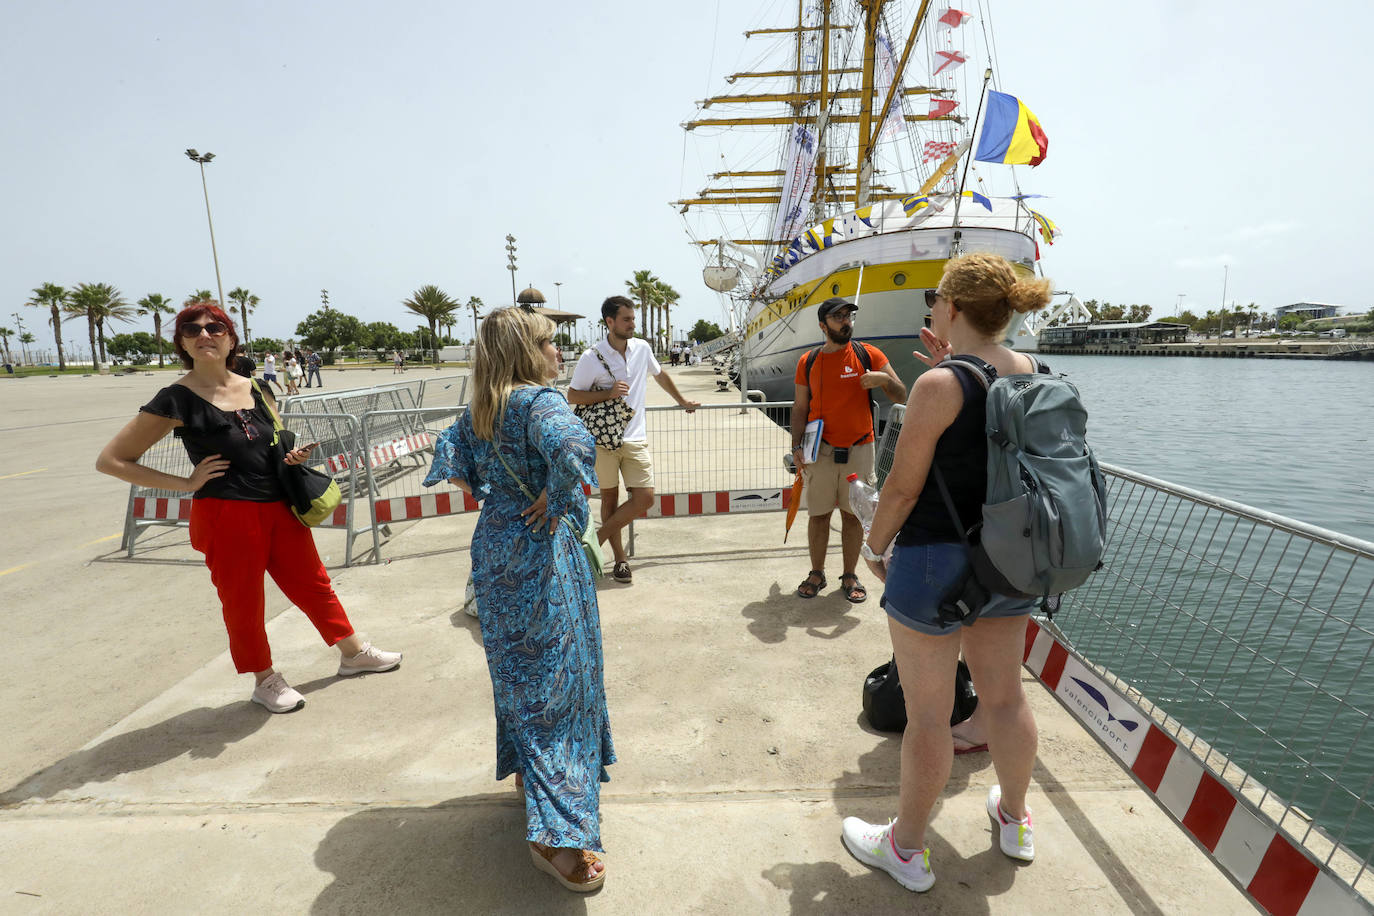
833 384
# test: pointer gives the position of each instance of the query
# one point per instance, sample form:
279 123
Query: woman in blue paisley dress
536 600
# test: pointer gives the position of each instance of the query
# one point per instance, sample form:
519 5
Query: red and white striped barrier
718 502
382 452
179 509
1277 874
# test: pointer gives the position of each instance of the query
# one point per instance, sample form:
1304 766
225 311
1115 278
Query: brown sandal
853 593
580 879
809 589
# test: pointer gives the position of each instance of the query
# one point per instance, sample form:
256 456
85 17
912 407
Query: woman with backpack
944 430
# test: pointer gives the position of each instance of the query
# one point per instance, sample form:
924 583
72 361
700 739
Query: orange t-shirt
837 396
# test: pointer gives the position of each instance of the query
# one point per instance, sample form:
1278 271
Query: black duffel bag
885 705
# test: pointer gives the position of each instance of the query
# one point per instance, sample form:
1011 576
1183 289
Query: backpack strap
980 369
811 364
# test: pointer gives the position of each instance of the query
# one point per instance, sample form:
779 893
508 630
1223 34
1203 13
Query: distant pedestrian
289 369
397 362
240 519
243 363
312 363
269 372
944 429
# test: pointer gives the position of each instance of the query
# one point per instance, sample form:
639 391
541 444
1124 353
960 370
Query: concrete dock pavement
734 707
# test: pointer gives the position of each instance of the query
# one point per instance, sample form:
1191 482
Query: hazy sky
372 148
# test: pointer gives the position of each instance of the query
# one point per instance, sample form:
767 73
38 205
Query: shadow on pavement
203 733
826 616
464 855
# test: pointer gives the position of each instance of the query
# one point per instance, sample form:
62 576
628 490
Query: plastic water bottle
863 501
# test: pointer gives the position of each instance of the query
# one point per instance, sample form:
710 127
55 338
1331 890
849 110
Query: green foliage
246 302
99 303
268 345
156 304
383 335
138 347
1290 322
705 330
1139 313
53 298
327 329
434 305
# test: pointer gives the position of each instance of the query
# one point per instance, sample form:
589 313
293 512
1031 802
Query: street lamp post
510 256
23 347
202 159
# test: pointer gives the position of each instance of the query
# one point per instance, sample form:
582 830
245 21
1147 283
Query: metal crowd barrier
1255 630
1223 655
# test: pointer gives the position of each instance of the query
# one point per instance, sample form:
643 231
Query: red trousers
244 541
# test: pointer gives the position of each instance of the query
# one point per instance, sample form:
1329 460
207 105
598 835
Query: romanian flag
1011 133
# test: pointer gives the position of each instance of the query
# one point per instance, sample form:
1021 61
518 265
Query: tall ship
847 168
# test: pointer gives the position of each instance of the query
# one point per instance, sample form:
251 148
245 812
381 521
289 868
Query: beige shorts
631 461
826 483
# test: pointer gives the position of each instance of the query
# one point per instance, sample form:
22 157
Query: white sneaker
277 695
872 845
370 660
1017 837
470 599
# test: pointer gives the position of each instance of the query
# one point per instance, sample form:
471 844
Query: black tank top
961 454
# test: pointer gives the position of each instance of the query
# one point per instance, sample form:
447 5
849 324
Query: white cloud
1265 230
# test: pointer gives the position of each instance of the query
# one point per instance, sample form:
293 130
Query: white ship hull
886 275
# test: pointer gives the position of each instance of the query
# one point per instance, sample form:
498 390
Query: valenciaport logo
848 371
1093 701
753 501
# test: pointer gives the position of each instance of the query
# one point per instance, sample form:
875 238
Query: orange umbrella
795 502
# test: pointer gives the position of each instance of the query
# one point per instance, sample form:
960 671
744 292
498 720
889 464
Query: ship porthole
898 279
834 289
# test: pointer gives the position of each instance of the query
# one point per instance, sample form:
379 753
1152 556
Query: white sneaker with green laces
872 845
1016 837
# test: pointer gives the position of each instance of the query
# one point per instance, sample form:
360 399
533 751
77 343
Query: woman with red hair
240 519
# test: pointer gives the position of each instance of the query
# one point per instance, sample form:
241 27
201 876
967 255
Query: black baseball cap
834 303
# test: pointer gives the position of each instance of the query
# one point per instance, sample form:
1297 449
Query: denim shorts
920 575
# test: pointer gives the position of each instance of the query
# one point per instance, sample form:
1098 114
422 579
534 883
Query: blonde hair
508 354
987 289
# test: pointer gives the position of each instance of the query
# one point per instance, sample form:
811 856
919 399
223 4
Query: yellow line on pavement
22 473
6 572
108 537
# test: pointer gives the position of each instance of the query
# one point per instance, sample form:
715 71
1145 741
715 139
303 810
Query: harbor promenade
137 778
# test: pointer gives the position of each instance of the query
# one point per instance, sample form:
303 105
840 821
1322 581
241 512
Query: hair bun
1029 294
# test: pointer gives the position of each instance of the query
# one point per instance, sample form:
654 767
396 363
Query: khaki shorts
631 461
826 486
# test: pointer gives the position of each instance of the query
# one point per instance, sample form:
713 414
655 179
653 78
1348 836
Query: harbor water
1292 438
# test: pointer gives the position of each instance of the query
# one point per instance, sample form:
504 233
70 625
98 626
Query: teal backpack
1044 524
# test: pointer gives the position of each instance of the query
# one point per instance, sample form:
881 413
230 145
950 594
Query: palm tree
246 302
432 304
99 302
52 296
24 340
474 303
641 287
200 295
5 335
667 298
156 304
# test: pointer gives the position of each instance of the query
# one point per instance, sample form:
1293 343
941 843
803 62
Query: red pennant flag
941 107
952 59
952 18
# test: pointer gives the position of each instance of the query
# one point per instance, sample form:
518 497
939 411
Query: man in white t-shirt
269 372
630 361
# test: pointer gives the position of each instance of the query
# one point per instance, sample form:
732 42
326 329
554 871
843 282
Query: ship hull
886 276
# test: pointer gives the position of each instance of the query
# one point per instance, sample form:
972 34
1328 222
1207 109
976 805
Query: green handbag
312 495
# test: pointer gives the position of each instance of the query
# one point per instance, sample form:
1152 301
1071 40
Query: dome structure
530 296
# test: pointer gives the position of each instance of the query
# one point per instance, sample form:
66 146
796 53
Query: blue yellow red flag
1011 133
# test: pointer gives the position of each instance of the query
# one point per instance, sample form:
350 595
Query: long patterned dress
537 606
